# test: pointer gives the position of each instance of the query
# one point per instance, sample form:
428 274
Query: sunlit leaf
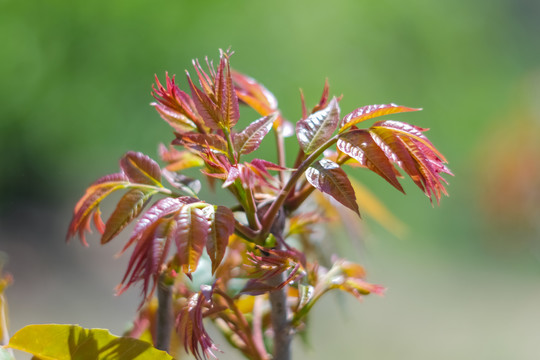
318 127
127 209
229 100
66 342
371 111
202 142
179 160
249 139
141 169
175 106
359 145
205 106
191 235
328 177
221 221
88 204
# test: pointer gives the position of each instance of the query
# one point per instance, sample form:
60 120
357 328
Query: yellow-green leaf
66 342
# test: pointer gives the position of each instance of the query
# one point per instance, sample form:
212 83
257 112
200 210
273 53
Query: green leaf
221 221
318 127
370 111
190 236
128 208
328 177
140 168
360 145
251 137
66 342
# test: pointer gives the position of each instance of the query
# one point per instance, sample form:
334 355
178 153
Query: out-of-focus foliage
63 342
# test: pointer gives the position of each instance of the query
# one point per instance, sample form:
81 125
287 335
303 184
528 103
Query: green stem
165 316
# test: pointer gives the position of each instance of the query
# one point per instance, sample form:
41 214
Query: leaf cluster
264 242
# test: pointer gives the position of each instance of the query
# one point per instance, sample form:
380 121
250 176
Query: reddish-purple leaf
324 98
148 257
162 208
221 221
190 328
175 106
371 111
234 173
318 127
201 142
359 145
249 139
190 236
127 209
328 177
88 205
229 100
410 149
205 106
140 168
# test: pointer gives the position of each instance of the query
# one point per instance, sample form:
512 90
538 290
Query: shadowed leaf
190 236
127 209
65 342
371 111
221 221
328 177
318 127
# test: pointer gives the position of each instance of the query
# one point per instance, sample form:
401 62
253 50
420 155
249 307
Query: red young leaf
205 106
318 127
201 142
328 177
407 146
221 221
371 111
175 106
140 168
249 139
324 98
190 236
89 204
162 208
359 145
229 100
127 209
149 256
190 327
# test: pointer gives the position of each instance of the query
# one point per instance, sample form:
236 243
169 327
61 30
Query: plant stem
280 145
164 315
276 205
280 324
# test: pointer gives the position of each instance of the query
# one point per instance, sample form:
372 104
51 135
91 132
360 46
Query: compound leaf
328 177
318 127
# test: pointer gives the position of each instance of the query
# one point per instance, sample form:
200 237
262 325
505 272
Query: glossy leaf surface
249 139
328 177
370 111
359 145
318 127
66 342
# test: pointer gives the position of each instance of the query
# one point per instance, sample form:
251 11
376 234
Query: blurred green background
463 283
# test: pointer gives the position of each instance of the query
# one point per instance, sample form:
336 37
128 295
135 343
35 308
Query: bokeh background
463 282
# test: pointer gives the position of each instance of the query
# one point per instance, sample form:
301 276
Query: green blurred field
464 283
